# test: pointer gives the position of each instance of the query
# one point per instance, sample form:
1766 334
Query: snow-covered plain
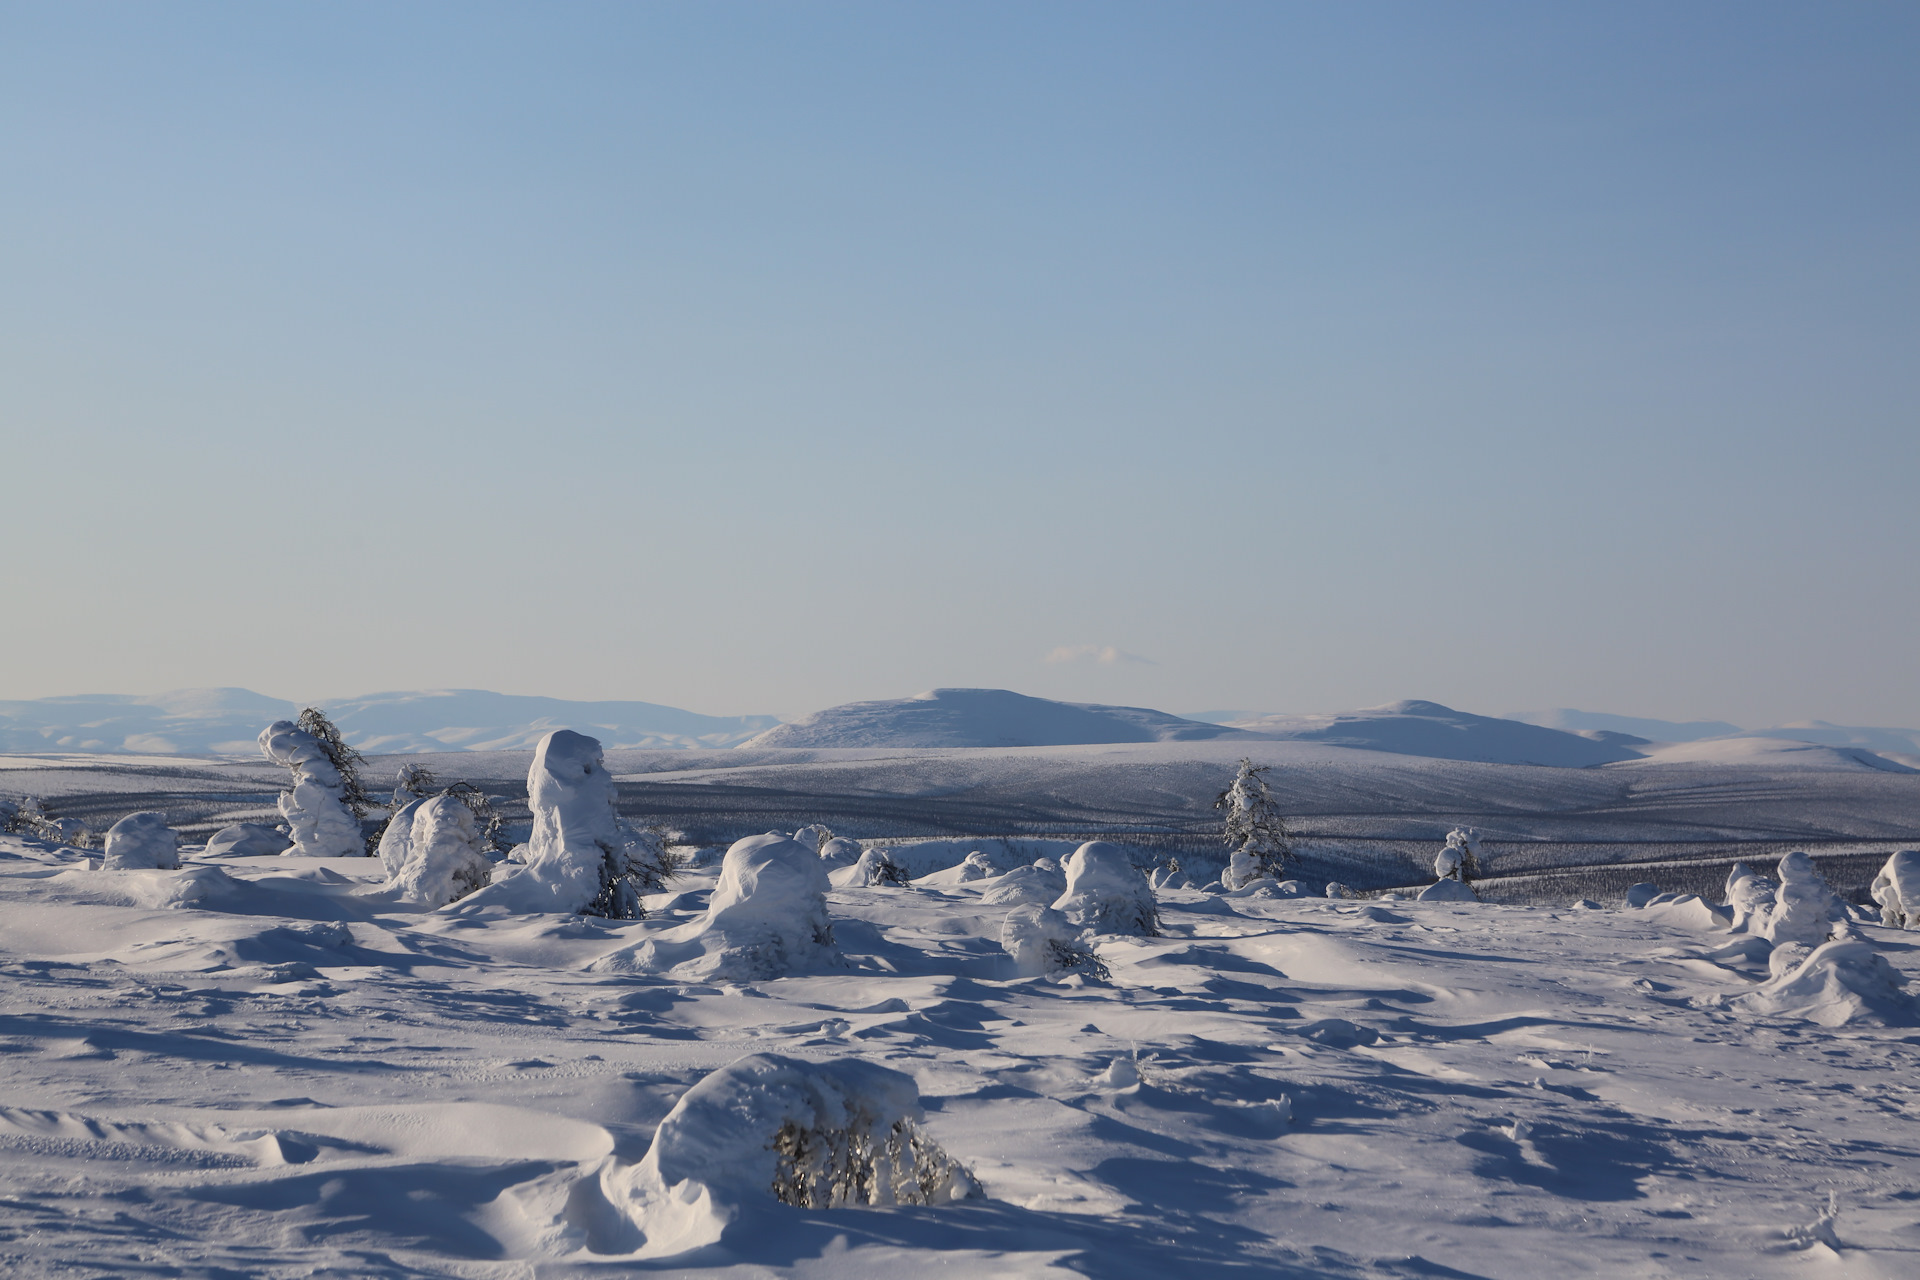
261 1065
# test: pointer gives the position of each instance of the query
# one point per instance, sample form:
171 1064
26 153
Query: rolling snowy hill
983 718
1428 729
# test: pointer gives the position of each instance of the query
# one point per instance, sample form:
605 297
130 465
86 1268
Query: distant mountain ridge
1419 728
227 721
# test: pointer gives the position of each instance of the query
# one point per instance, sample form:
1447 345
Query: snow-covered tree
1802 905
29 817
876 869
1897 890
1254 830
141 842
1460 859
1107 894
446 853
324 806
814 836
582 857
1042 941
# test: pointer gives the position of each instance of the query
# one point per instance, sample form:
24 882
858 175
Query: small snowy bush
1254 829
323 822
767 1129
1043 942
1897 890
875 869
977 866
840 851
141 842
1337 890
815 837
1107 894
29 817
1749 897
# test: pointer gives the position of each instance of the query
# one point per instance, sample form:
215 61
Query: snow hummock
444 857
1106 893
247 840
316 812
820 1135
982 718
141 842
1838 982
1041 883
1446 891
1897 890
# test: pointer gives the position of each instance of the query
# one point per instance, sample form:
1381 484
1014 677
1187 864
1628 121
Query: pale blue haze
752 358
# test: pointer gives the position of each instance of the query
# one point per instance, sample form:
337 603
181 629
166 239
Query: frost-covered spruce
141 842
770 1129
1107 894
581 857
322 823
1897 890
1460 859
1042 942
445 856
1802 905
1254 830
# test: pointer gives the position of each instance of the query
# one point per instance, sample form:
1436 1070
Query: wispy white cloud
1104 654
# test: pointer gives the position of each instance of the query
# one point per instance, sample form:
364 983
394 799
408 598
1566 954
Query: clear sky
758 357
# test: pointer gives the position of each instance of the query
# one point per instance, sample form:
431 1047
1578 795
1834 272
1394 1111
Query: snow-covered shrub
1838 982
322 822
445 856
247 840
582 857
840 851
141 842
1042 941
1897 890
874 869
977 866
1337 890
1034 884
1802 905
814 837
1107 894
29 817
1749 897
1639 895
1447 891
1254 829
766 1129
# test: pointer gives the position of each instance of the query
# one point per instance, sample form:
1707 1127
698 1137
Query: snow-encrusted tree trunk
322 822
1254 830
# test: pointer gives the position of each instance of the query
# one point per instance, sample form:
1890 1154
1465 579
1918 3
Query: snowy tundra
266 1065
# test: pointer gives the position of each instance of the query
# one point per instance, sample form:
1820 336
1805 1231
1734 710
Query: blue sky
756 357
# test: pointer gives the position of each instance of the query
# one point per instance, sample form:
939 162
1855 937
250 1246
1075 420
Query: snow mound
1446 891
1897 890
1639 895
767 916
1106 893
768 1128
315 809
1417 728
1034 884
247 840
983 718
840 851
1689 911
142 842
1840 982
445 856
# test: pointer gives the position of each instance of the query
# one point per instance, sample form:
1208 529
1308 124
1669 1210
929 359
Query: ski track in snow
263 1066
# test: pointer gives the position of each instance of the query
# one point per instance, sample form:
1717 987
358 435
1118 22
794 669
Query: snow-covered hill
1429 729
215 721
1571 721
983 718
